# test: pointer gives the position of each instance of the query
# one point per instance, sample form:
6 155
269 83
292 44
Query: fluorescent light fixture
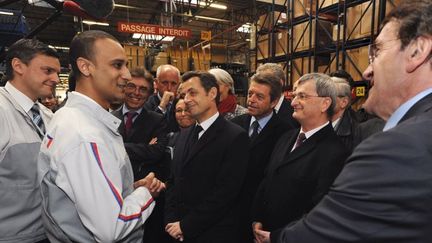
40 3
136 36
246 28
153 37
124 6
6 13
60 47
89 22
204 4
212 19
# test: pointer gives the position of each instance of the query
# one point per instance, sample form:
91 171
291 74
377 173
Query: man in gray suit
384 192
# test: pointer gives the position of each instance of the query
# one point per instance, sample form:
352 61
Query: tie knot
35 108
198 129
301 137
131 114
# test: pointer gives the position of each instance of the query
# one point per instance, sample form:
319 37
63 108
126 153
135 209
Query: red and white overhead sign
153 30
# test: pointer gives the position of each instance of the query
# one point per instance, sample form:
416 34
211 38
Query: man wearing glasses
385 191
144 137
305 161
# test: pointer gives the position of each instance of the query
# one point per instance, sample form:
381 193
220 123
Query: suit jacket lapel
421 106
209 135
139 123
266 131
308 145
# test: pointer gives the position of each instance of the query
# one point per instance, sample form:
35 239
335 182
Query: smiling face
200 103
182 115
136 93
310 110
37 78
108 71
385 73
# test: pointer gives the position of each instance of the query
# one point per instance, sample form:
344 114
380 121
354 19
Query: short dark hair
270 80
345 75
414 17
26 50
207 80
82 46
141 72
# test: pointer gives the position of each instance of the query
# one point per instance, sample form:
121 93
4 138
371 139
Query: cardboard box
303 7
282 47
356 67
265 20
301 35
135 55
358 26
262 47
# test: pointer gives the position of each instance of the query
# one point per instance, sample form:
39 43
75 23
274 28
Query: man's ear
213 92
18 66
418 52
274 103
84 66
326 104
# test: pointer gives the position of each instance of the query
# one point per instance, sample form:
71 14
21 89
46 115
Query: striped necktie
37 118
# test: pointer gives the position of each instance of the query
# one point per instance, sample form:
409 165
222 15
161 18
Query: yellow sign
360 91
205 35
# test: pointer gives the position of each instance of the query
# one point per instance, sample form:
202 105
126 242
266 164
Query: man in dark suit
283 107
264 128
305 161
164 100
143 134
209 167
384 192
343 121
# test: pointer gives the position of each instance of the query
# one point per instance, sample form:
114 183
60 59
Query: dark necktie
195 134
300 139
129 121
254 126
37 119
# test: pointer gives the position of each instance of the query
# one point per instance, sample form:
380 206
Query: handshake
153 184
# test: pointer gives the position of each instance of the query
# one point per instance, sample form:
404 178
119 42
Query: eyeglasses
133 87
374 48
303 96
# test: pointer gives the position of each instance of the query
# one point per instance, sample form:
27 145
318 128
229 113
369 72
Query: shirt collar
335 123
279 104
404 108
207 123
125 110
263 121
23 100
96 110
313 131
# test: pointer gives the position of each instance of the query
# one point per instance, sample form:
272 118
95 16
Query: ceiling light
6 13
246 28
136 36
153 37
212 19
204 4
89 22
125 6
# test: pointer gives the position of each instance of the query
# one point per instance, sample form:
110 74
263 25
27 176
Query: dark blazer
260 151
296 181
203 191
347 129
285 114
144 158
152 104
384 192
